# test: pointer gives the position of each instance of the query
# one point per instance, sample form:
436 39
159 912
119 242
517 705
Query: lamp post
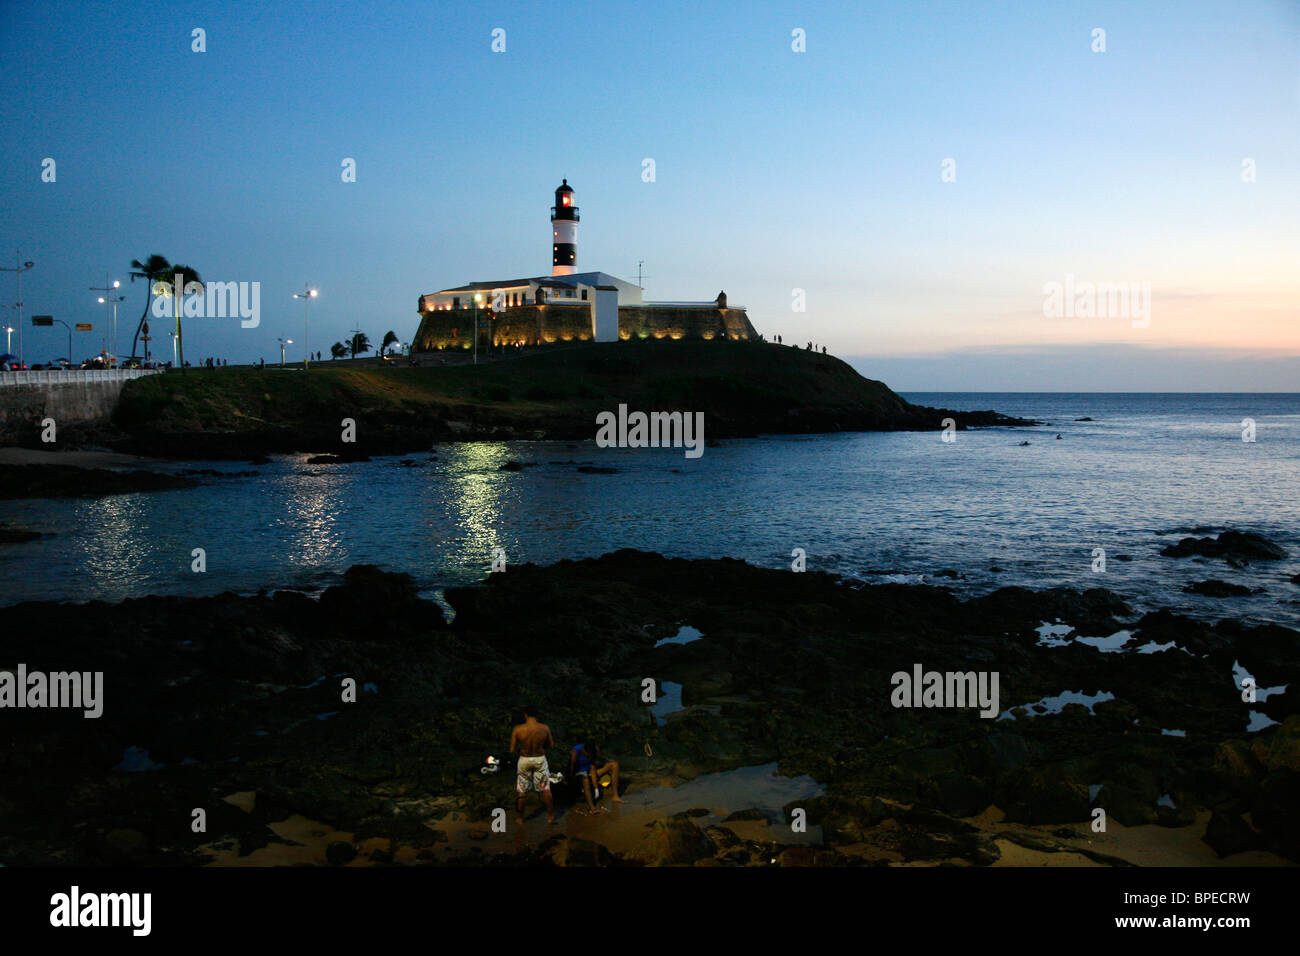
306 295
283 343
69 328
107 297
19 267
478 300
9 338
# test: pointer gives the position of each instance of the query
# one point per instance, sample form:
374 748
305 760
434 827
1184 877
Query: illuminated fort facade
567 305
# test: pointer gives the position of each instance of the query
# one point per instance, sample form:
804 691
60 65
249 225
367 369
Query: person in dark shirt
585 763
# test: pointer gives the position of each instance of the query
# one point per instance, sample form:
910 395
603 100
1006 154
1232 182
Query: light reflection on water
308 521
859 503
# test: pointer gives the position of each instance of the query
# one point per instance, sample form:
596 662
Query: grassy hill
743 389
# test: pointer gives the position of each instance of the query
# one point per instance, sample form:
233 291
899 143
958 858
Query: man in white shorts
531 740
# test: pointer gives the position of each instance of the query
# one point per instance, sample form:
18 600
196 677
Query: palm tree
359 343
338 350
151 270
390 338
185 275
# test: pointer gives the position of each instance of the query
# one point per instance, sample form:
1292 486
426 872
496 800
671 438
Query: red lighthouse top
564 207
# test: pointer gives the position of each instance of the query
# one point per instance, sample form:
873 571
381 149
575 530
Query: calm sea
1147 470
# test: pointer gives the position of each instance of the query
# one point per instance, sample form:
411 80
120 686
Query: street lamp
283 343
20 268
108 291
9 339
306 295
478 300
69 328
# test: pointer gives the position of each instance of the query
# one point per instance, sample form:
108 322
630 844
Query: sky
915 178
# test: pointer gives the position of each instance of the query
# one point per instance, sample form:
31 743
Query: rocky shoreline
209 698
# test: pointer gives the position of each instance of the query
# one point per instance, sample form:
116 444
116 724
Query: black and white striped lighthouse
564 232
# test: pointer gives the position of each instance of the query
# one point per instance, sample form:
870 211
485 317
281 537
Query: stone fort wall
548 324
685 322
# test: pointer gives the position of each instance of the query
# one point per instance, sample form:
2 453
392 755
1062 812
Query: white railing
64 376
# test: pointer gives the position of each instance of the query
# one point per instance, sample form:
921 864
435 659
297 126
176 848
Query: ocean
1148 470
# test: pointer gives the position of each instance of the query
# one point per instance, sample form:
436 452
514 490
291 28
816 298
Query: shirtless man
531 740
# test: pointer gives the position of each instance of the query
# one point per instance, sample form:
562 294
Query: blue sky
775 170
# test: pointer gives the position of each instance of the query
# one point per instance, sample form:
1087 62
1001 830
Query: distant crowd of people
810 347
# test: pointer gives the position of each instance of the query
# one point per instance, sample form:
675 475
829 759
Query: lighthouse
564 232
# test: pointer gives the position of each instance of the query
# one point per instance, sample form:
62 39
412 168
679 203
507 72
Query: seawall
70 398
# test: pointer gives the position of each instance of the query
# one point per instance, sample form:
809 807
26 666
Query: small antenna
639 276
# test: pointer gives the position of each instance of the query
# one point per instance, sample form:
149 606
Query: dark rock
366 587
743 815
962 795
595 470
1237 766
1042 795
1273 811
1167 816
723 837
123 845
235 683
673 842
1280 749
338 853
1243 546
920 844
1228 833
1219 589
797 856
336 459
575 851
68 481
